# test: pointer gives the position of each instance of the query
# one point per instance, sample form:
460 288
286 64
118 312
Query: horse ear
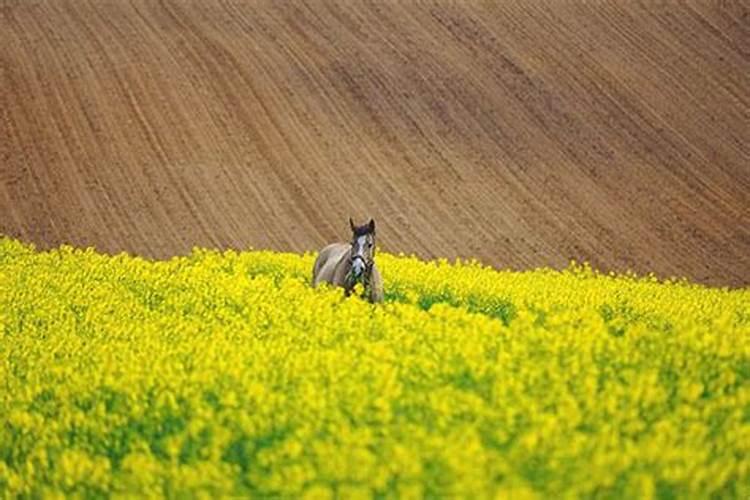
371 226
351 224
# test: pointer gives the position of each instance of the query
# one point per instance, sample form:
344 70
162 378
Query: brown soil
521 133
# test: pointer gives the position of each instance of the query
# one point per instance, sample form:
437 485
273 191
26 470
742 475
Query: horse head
363 250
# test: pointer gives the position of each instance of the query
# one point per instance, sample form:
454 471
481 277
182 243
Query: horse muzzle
359 266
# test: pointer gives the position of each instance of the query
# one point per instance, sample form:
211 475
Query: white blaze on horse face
358 265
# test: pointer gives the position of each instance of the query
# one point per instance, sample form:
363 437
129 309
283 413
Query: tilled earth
522 133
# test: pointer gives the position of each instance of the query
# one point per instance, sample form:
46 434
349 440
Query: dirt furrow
524 134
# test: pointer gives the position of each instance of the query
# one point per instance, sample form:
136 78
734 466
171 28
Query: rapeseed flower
225 374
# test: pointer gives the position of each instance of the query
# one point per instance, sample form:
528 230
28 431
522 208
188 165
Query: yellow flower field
225 374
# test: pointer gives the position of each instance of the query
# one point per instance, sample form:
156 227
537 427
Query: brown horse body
346 264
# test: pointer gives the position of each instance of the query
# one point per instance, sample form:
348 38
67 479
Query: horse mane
363 229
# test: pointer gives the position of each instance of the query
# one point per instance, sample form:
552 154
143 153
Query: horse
346 264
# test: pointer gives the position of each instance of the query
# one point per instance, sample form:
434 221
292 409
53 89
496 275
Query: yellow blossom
225 374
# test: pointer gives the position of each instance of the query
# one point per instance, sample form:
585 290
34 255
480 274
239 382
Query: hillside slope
521 133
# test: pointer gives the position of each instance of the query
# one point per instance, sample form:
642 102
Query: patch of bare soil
523 134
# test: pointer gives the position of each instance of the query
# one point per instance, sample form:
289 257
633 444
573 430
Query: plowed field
521 133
